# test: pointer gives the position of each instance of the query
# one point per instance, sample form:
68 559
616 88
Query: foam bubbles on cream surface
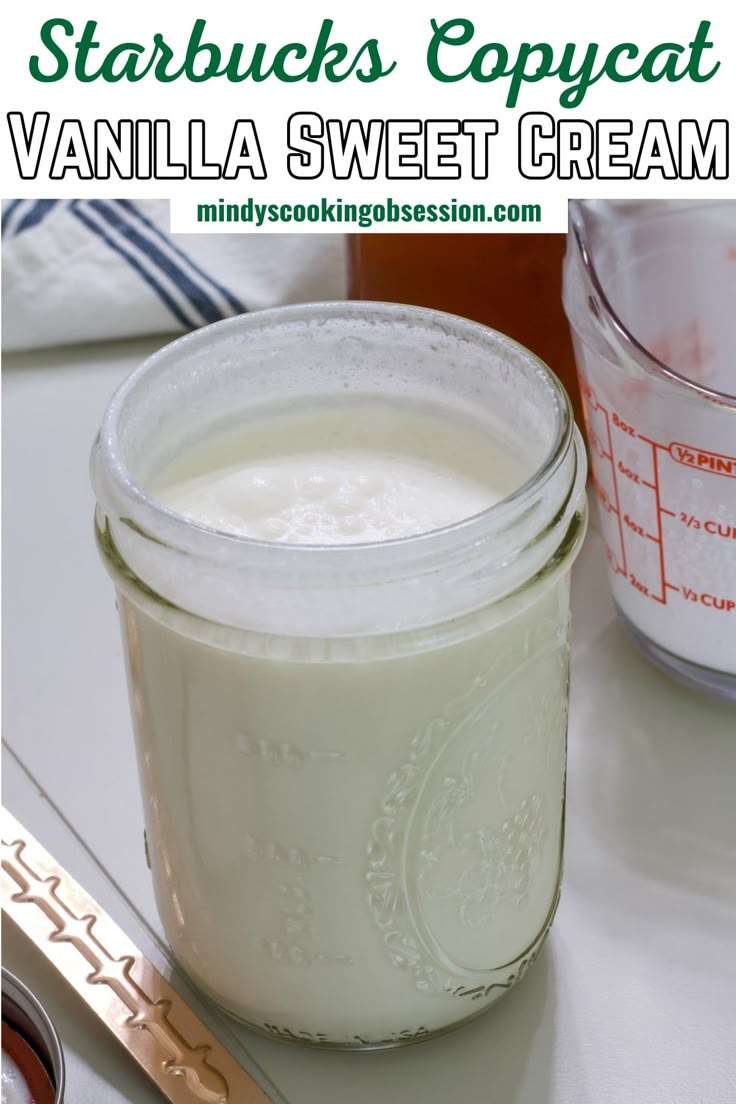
14 1085
361 473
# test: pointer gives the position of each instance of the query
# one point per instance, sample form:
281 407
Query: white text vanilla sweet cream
346 625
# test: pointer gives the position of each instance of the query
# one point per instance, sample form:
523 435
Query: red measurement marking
711 526
634 526
649 441
710 601
637 585
612 561
598 446
615 489
715 463
632 475
623 426
636 389
720 529
643 589
659 522
700 459
587 391
662 350
698 352
603 498
686 351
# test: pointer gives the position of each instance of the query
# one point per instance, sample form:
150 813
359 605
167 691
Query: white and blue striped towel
90 269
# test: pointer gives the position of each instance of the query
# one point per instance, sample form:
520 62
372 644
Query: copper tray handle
115 980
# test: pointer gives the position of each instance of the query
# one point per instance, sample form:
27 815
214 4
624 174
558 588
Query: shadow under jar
352 755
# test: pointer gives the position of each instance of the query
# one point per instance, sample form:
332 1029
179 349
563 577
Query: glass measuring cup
650 292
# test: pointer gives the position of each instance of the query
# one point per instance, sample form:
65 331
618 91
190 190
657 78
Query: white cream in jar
354 771
357 473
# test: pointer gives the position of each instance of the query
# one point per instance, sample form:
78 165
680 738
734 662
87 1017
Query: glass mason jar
352 757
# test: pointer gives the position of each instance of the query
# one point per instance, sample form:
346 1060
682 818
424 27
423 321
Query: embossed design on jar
495 867
464 858
279 855
291 940
284 754
408 1035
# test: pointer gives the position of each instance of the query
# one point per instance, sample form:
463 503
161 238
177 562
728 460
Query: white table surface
633 999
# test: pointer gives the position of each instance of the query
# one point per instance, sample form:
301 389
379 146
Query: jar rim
117 490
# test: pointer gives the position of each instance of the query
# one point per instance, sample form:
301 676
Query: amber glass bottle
512 282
